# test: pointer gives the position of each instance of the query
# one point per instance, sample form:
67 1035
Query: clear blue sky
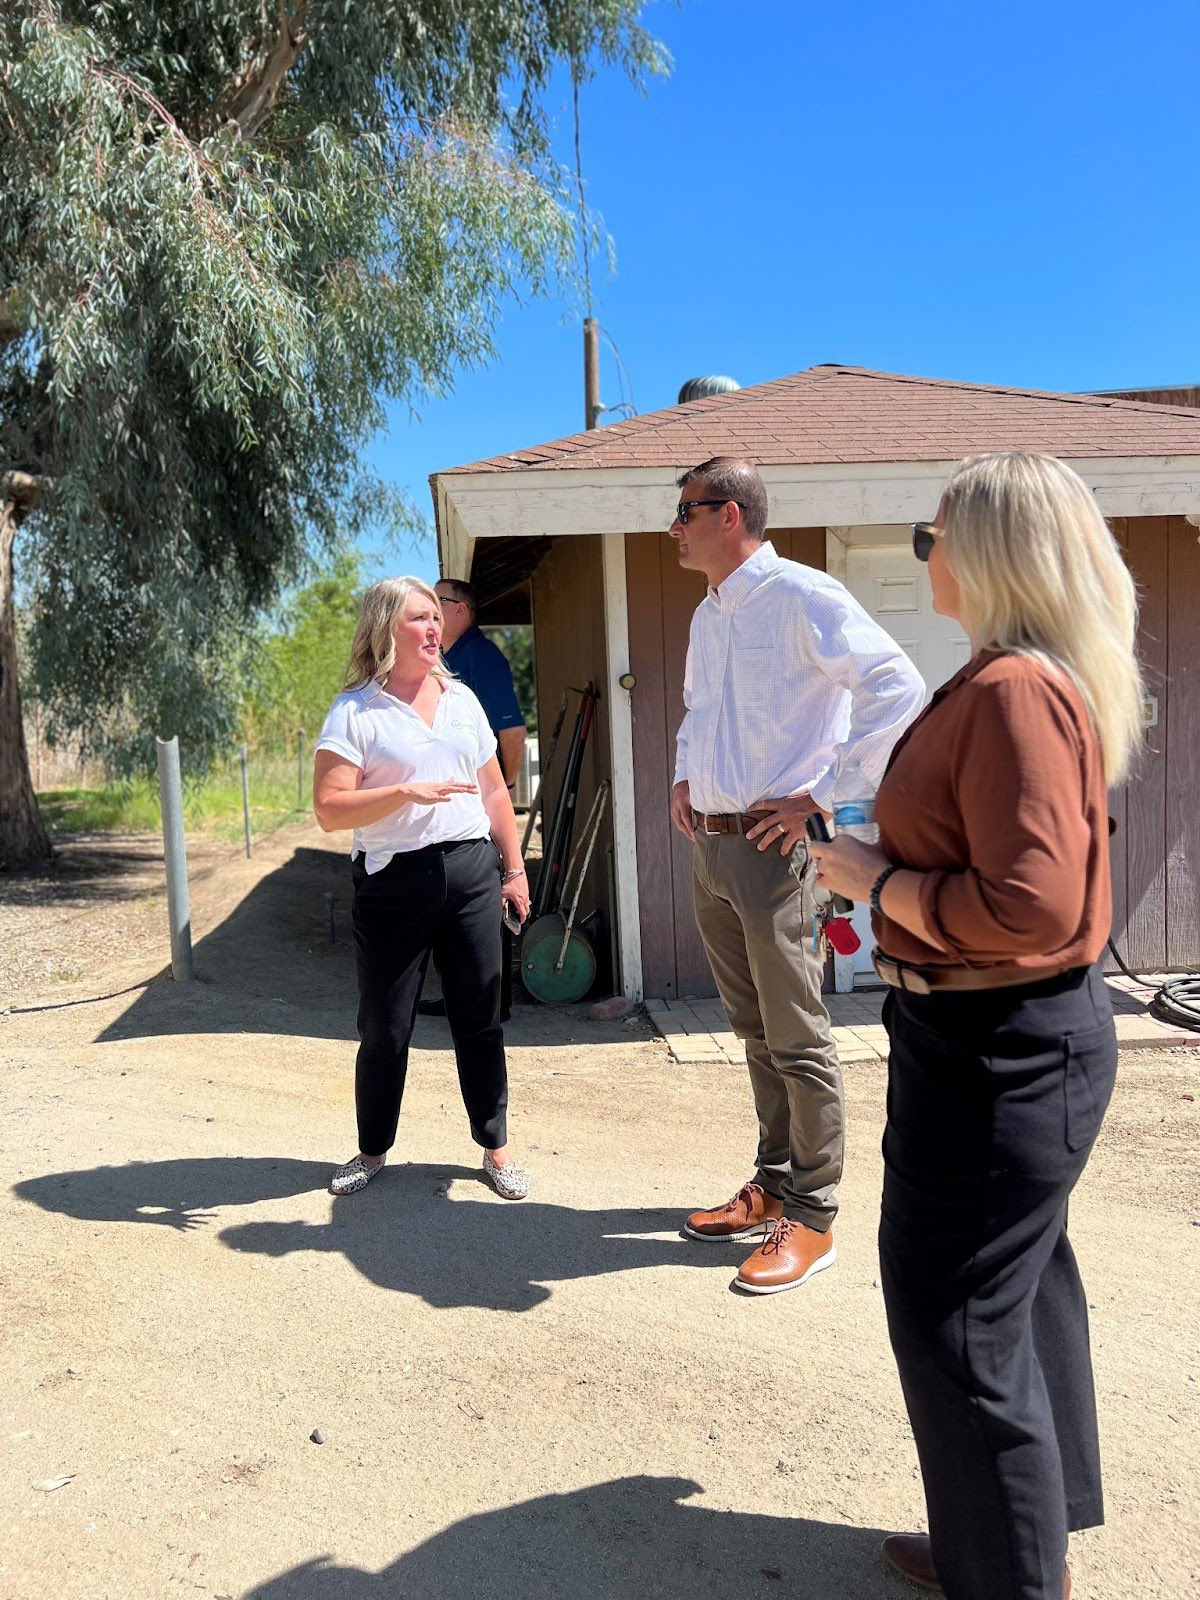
1001 192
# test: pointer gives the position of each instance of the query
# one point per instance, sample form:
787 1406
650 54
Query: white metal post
620 730
170 788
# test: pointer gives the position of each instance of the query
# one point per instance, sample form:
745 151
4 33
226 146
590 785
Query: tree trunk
23 838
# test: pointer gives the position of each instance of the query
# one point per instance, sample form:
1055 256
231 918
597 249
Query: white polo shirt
390 743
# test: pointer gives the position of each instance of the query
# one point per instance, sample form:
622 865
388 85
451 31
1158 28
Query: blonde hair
373 651
1039 574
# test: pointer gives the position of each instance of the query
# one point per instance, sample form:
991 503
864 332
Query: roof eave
568 501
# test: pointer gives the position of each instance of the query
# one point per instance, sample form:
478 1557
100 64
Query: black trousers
995 1098
442 901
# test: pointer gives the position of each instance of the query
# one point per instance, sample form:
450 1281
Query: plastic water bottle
855 814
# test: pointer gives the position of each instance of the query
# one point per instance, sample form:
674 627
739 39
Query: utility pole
591 373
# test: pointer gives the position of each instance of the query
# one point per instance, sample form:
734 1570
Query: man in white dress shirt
791 692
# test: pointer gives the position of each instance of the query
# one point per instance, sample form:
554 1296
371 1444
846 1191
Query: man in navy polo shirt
478 663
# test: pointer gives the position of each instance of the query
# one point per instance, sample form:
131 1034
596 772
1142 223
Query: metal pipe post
170 788
614 946
591 373
300 770
243 755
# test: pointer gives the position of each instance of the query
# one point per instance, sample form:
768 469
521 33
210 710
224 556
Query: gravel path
559 1398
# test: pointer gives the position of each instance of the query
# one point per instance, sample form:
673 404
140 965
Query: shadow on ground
83 870
183 1194
270 967
628 1539
406 1232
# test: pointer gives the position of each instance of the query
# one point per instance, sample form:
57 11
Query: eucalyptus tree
229 232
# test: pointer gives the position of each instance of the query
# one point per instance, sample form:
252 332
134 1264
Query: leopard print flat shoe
510 1180
355 1175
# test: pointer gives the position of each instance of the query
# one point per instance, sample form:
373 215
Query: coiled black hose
1176 1001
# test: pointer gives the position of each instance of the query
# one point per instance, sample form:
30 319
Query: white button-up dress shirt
789 686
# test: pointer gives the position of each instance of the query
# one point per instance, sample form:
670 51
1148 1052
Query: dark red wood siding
570 648
1156 852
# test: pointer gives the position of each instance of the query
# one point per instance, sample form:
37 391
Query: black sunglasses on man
684 506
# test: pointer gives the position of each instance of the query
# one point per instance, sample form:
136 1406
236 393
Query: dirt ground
560 1398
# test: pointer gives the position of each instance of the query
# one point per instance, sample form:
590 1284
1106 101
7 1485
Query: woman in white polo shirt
406 758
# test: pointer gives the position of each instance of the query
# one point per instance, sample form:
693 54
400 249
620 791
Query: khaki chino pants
754 912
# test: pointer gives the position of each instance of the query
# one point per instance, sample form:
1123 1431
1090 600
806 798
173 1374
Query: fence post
300 770
170 790
243 756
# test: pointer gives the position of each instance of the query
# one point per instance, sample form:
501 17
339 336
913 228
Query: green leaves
198 328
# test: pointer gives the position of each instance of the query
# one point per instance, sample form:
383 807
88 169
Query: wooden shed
571 535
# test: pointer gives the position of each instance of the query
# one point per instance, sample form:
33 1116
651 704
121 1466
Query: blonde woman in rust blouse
992 906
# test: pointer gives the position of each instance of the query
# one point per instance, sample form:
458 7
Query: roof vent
704 388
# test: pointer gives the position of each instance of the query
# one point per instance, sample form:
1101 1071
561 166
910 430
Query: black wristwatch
877 886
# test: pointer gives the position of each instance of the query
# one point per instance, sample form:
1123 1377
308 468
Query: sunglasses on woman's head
924 536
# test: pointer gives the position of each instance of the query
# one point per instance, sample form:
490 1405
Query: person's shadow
628 1539
425 1229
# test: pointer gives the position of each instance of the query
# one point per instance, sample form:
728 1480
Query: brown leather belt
924 980
724 821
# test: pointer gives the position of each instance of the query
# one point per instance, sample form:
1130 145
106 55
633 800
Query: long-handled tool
558 838
535 804
558 962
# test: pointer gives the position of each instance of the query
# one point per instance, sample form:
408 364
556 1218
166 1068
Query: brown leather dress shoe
791 1256
751 1214
911 1556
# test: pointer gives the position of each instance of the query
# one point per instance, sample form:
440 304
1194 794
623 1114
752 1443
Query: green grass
212 805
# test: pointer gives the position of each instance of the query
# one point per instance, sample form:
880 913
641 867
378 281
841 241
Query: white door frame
620 735
836 546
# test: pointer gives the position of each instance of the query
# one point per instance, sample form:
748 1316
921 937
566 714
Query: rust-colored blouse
997 792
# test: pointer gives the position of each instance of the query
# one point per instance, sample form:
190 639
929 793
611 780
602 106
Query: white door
893 587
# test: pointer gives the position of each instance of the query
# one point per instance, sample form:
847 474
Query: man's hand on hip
681 809
782 822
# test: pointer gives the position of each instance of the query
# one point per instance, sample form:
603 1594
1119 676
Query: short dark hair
462 591
731 478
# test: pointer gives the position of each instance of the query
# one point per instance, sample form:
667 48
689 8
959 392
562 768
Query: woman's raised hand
436 794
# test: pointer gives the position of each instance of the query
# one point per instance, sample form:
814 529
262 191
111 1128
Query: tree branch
11 325
197 160
21 488
255 95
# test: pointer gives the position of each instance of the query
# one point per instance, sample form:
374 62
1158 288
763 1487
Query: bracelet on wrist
877 886
513 872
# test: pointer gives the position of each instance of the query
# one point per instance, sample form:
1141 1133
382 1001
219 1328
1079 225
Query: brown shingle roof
833 413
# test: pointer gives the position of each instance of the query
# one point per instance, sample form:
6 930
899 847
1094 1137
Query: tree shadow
627 1539
85 870
399 1232
270 967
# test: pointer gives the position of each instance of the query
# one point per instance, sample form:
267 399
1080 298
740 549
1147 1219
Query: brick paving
696 1030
